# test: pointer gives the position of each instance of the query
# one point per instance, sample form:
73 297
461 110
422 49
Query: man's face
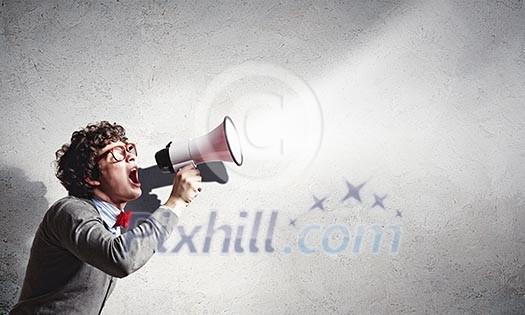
119 181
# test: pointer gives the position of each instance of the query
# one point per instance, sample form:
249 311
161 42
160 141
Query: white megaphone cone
220 144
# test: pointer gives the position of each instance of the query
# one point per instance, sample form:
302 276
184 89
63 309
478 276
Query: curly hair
75 161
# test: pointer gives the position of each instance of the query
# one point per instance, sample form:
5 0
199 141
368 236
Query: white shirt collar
109 214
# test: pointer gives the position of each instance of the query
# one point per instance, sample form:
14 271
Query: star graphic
353 191
318 203
379 201
292 222
398 213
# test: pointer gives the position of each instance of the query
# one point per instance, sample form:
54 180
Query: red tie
123 219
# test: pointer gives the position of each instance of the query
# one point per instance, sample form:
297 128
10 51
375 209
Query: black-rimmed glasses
119 152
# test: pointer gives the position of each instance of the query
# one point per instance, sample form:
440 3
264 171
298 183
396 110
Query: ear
92 182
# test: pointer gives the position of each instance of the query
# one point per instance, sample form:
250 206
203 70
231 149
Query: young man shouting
79 248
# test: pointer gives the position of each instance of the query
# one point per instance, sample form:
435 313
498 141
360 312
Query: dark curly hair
76 161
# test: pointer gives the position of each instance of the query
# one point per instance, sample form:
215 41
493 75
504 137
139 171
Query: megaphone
220 144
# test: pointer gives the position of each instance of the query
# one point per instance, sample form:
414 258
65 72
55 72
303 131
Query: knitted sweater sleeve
76 225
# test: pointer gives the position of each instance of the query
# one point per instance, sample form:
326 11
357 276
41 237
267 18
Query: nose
130 157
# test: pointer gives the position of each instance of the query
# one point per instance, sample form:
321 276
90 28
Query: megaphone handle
178 166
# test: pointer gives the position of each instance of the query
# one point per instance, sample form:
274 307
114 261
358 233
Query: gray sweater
75 259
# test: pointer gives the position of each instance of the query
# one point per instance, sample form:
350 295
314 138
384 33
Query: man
79 249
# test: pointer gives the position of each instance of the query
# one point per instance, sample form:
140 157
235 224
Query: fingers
195 182
188 173
187 183
189 169
189 166
191 195
197 186
189 178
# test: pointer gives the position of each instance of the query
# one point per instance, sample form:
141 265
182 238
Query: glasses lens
118 153
131 148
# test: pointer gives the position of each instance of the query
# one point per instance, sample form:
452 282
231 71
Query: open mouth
134 176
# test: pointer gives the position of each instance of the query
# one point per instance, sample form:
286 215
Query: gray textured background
422 100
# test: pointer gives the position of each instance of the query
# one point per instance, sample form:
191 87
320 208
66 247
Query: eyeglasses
119 152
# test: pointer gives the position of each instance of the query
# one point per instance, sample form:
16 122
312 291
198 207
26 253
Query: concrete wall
422 101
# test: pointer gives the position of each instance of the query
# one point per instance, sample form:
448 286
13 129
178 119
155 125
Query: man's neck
102 196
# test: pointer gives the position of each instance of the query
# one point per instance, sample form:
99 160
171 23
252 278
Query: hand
186 185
